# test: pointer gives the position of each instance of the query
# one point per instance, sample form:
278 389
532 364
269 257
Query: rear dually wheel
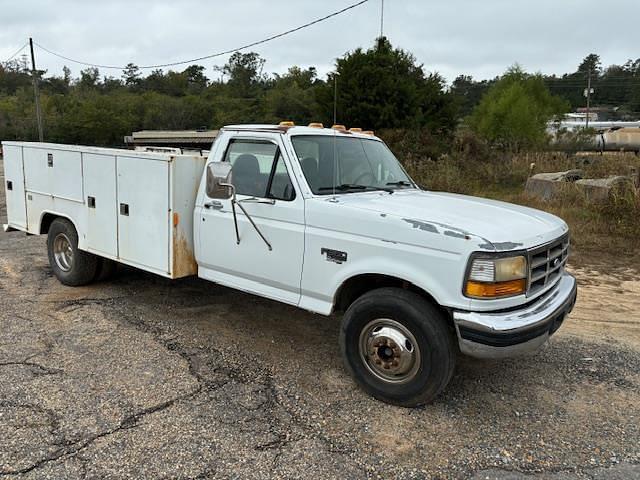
70 265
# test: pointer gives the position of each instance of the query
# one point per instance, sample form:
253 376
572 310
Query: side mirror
219 180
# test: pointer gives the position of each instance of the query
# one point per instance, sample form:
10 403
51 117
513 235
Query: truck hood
497 225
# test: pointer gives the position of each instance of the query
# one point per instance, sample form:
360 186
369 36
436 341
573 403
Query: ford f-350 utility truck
325 219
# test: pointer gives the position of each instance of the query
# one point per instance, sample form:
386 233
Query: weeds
598 229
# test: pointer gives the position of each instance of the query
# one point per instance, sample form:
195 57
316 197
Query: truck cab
337 219
328 220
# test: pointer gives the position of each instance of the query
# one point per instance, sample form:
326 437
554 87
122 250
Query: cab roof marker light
287 123
355 130
339 127
316 125
368 132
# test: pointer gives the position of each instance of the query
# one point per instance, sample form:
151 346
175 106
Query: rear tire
397 346
71 266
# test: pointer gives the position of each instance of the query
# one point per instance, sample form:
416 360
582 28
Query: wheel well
47 220
357 286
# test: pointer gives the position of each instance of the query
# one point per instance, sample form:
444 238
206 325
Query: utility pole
36 92
588 96
381 18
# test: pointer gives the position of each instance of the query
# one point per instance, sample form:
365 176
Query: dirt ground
142 377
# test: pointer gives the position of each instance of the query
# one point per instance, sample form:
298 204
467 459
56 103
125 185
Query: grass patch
599 231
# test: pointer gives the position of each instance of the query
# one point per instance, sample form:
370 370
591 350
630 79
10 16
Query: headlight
496 277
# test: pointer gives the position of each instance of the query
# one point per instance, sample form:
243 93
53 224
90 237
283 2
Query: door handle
213 204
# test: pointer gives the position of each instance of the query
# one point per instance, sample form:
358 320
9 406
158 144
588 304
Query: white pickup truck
325 219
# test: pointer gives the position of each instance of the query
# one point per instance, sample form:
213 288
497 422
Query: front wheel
397 346
70 265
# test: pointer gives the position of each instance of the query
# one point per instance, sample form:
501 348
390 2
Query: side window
258 170
251 161
281 187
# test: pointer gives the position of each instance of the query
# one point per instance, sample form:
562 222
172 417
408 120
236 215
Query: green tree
467 92
591 63
292 96
131 75
514 113
384 87
196 79
89 78
244 73
13 77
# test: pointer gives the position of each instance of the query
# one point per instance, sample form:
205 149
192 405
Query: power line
213 55
17 52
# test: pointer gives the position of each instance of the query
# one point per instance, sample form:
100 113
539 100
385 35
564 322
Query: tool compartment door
99 177
143 212
54 172
14 187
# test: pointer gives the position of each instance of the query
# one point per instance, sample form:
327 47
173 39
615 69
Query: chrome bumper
519 331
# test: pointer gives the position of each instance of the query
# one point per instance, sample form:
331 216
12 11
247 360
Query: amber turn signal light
495 290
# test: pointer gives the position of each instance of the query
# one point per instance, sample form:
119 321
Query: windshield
348 164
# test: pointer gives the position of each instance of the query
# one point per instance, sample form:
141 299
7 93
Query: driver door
265 189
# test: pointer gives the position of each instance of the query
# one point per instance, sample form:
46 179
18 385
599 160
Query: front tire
70 265
397 346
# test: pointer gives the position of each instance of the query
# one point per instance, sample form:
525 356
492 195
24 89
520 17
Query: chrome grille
546 264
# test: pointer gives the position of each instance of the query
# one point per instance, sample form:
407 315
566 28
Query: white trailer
324 219
132 207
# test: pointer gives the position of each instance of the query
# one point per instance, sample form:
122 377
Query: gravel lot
142 377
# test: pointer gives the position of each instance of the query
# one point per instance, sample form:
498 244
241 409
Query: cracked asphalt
142 377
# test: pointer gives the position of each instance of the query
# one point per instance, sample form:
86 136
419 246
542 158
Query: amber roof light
287 123
339 127
316 125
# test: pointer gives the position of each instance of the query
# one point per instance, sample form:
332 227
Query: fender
424 279
44 213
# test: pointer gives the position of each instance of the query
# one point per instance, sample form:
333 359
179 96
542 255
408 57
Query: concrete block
600 189
548 185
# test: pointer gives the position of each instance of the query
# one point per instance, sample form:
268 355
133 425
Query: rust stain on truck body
184 261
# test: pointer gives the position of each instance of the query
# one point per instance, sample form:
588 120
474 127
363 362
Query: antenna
587 93
335 98
381 18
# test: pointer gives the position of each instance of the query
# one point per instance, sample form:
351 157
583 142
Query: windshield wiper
352 186
401 183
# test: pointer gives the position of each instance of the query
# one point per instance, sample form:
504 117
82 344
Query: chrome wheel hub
389 350
63 252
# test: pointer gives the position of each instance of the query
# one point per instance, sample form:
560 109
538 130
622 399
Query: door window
258 170
281 187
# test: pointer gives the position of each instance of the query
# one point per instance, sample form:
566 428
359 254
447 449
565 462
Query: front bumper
516 331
